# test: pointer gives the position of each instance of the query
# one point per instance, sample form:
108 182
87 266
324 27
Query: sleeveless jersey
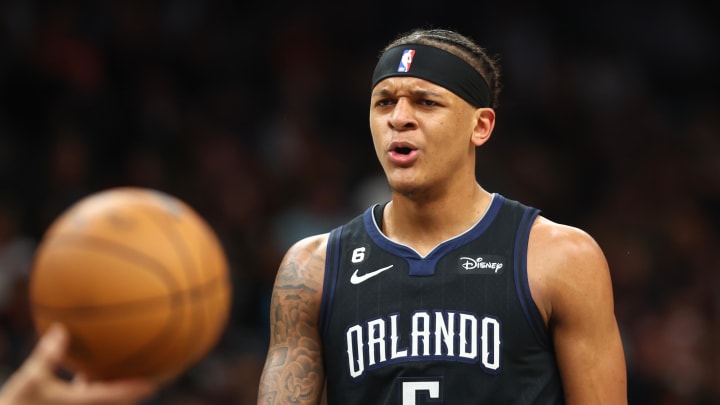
457 326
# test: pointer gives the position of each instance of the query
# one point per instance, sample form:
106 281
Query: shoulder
302 269
563 243
311 245
305 257
565 264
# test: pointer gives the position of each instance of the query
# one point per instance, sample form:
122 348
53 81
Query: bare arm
293 372
570 281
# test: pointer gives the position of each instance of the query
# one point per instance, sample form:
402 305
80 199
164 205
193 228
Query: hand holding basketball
139 279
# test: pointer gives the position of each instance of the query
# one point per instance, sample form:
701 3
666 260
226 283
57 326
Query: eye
428 103
384 102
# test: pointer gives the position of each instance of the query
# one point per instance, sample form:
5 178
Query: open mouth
403 150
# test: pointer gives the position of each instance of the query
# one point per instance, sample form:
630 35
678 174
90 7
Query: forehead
397 85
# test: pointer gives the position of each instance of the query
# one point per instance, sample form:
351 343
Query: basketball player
448 293
36 381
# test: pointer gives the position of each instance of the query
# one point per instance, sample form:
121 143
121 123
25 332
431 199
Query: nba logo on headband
406 60
436 66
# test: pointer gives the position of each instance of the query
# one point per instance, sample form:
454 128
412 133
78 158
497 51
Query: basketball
139 279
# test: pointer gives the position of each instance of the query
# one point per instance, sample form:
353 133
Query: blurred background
257 115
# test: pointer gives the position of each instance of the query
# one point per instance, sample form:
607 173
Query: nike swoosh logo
355 279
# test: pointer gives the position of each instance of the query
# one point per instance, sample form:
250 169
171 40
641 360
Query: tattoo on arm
293 371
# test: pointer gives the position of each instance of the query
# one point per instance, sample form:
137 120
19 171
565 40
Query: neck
422 225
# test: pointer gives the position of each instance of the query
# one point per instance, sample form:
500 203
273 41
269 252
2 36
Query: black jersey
457 326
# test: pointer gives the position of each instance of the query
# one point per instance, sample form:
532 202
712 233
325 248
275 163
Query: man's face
422 134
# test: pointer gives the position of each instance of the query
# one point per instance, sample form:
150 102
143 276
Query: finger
80 378
48 356
35 380
115 392
50 350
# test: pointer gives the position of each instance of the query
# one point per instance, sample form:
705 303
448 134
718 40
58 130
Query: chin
407 189
407 183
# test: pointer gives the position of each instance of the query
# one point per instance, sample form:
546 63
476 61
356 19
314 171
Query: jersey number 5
411 388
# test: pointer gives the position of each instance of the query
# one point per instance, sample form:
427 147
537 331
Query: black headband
437 66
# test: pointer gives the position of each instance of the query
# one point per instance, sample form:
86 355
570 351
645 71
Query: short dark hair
461 46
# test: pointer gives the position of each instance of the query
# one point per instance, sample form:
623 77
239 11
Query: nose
403 115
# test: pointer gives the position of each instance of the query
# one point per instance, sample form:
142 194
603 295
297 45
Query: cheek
378 145
377 135
457 130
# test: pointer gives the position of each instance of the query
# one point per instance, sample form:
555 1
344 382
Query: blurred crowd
256 115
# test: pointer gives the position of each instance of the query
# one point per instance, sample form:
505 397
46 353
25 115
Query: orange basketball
139 279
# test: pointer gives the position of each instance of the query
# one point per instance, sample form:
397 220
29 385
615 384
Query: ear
484 124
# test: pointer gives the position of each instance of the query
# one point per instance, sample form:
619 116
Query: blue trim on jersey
522 285
425 265
332 266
